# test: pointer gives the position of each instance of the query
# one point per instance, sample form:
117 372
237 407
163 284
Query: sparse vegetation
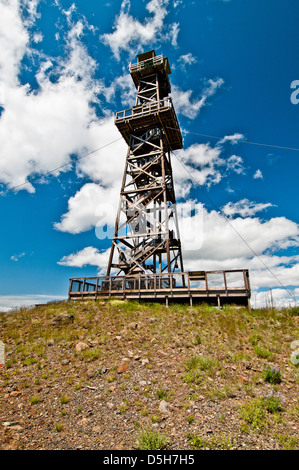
225 374
151 439
214 443
272 374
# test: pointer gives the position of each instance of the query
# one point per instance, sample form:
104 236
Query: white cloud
37 37
258 175
278 297
203 164
187 59
247 243
245 208
88 256
123 84
190 107
55 120
88 208
9 302
129 34
14 40
233 139
222 242
17 257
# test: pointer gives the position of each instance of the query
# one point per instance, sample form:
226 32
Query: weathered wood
156 287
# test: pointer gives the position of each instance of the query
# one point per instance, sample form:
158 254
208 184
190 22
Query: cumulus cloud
88 256
245 208
258 175
189 106
92 205
56 119
129 34
222 240
187 59
223 247
203 164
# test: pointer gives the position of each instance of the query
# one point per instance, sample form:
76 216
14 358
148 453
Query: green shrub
215 443
294 311
272 403
161 394
34 400
254 413
263 353
64 400
149 439
272 374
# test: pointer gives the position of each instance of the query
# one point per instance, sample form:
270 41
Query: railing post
70 288
96 288
83 288
225 283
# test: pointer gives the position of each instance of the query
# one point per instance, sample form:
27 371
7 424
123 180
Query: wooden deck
153 114
215 287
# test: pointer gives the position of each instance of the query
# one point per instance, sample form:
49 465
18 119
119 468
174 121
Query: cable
240 141
242 238
2 193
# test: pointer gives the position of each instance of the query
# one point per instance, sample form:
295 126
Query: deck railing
152 61
145 109
229 282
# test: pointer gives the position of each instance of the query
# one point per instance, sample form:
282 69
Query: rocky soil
96 375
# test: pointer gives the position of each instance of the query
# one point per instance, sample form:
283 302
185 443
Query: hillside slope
123 375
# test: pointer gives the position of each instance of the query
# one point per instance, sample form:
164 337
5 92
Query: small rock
81 346
163 407
144 361
97 429
123 367
243 380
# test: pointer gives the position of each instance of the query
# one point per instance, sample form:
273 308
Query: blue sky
63 75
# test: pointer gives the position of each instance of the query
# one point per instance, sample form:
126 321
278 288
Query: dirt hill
124 375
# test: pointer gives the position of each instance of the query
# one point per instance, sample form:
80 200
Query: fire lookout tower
146 252
147 240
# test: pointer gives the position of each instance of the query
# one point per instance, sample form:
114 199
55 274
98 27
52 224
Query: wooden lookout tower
146 237
146 253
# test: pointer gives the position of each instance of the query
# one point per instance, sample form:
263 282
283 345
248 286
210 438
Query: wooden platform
159 114
216 287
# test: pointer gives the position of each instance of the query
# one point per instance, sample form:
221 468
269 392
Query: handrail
149 282
146 63
143 109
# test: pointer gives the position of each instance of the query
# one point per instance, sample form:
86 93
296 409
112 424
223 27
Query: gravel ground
101 393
